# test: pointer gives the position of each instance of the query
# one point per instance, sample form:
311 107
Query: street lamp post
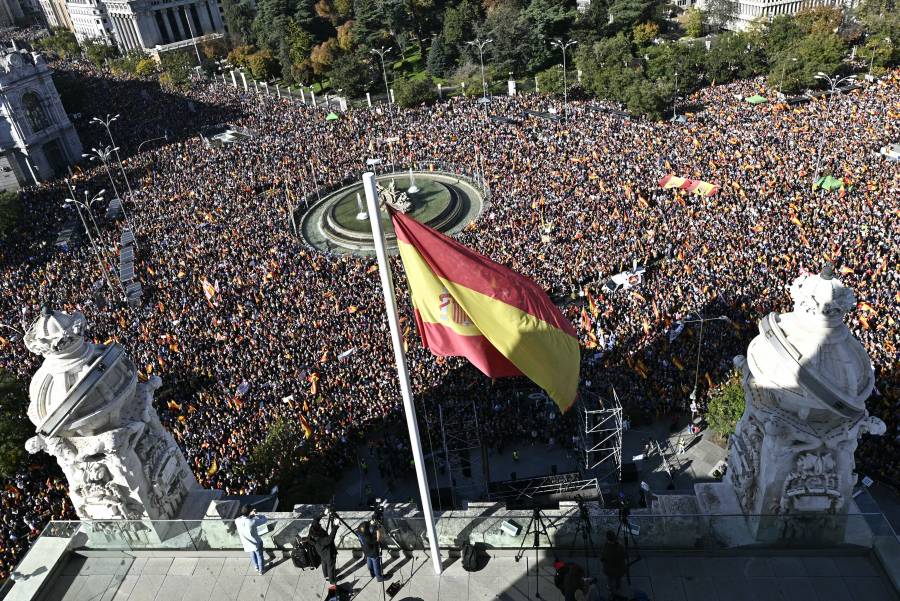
106 123
480 44
86 205
834 84
675 98
701 320
103 155
558 43
781 83
163 137
387 88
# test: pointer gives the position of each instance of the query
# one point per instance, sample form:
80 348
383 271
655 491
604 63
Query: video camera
378 505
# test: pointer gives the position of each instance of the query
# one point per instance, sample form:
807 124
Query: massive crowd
571 203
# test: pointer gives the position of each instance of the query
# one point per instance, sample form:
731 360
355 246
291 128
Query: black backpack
470 557
304 554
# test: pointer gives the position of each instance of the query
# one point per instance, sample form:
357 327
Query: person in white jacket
246 525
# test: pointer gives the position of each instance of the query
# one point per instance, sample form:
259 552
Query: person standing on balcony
247 525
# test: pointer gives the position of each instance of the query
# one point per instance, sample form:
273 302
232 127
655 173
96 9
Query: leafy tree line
627 50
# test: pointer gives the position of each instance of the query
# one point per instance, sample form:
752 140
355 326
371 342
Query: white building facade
144 24
751 10
37 140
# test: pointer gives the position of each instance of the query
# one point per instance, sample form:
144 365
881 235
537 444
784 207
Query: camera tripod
624 512
585 528
537 527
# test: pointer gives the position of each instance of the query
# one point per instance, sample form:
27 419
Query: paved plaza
661 576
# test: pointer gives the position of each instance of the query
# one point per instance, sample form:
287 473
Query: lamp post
480 44
163 137
86 205
675 97
701 320
387 89
103 155
833 83
106 123
558 43
781 83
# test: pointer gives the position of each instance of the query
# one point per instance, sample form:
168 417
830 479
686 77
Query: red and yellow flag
467 305
304 425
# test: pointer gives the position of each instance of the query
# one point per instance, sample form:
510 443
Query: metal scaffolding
461 436
601 435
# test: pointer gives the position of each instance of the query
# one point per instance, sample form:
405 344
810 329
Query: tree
415 92
240 56
10 213
510 49
353 73
550 80
782 33
644 33
625 14
145 67
99 52
726 406
719 13
545 20
177 67
819 19
437 58
61 42
263 65
821 51
694 22
458 28
14 425
238 17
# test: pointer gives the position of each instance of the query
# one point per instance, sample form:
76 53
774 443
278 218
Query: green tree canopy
15 428
726 406
694 22
415 92
354 73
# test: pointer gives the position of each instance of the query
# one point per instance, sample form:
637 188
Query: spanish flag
467 305
304 425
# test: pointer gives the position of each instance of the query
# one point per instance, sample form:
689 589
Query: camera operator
370 540
614 561
323 540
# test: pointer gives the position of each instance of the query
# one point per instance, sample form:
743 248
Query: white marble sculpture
806 380
393 198
93 415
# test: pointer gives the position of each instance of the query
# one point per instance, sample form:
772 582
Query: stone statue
394 199
806 380
93 415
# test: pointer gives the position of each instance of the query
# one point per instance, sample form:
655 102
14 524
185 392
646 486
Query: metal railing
505 530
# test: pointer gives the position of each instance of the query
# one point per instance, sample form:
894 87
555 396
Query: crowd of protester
291 332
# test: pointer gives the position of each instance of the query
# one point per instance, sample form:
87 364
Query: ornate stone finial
55 333
822 297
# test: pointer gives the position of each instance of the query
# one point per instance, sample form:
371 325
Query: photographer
370 541
614 561
246 525
323 540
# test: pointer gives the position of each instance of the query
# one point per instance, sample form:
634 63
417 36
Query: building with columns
56 14
144 24
749 11
37 140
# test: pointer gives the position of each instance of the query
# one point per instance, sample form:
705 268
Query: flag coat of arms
502 322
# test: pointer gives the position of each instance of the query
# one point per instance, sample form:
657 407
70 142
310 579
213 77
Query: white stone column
233 79
203 15
244 79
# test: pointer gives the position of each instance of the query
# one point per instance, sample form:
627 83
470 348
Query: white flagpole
390 302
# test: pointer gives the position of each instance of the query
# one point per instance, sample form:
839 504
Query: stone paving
662 577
